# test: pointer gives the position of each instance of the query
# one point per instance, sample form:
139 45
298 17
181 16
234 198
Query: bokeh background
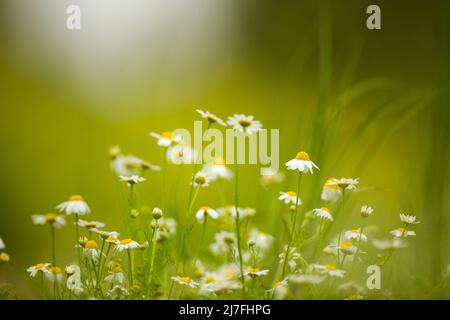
367 104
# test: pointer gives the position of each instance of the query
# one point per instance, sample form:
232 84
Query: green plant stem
77 234
202 237
238 233
130 268
357 251
152 259
291 236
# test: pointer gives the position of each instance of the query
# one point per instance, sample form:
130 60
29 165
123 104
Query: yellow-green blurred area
373 104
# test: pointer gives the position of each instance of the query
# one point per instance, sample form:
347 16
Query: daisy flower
330 269
53 219
230 210
75 205
224 240
40 267
408 219
347 248
345 183
115 275
90 250
218 170
302 163
323 213
185 281
331 191
206 211
157 213
306 279
355 234
279 289
261 239
73 282
211 117
55 274
166 139
90 224
128 165
255 272
289 197
402 232
388 245
366 211
108 236
180 154
201 179
126 244
243 123
168 225
4 257
132 180
270 177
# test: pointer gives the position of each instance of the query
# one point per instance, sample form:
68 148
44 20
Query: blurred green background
369 104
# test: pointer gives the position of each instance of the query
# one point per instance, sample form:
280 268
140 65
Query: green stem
291 236
77 233
238 233
357 251
152 260
201 241
130 268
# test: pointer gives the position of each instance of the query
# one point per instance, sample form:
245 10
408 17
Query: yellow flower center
50 217
91 244
185 279
325 209
126 241
356 231
210 279
291 193
90 225
117 269
346 244
39 266
302 155
200 180
204 209
76 197
402 230
244 123
331 185
219 161
277 285
55 270
330 267
111 238
253 270
167 135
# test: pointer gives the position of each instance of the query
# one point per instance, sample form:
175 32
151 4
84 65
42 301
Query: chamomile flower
132 180
40 267
306 279
243 123
330 269
347 248
128 165
55 274
179 154
388 245
206 211
211 117
115 275
167 225
224 241
253 272
355 234
302 163
52 219
261 239
289 197
323 213
126 244
270 177
331 191
75 205
231 211
366 211
73 282
201 179
406 219
90 225
108 236
345 183
217 283
279 289
166 139
90 250
402 232
218 170
185 281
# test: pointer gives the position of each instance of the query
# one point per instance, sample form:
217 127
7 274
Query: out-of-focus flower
218 170
166 139
289 197
206 211
331 191
211 117
52 219
323 213
185 281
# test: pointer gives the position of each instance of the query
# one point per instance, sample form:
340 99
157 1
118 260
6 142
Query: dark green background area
368 104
